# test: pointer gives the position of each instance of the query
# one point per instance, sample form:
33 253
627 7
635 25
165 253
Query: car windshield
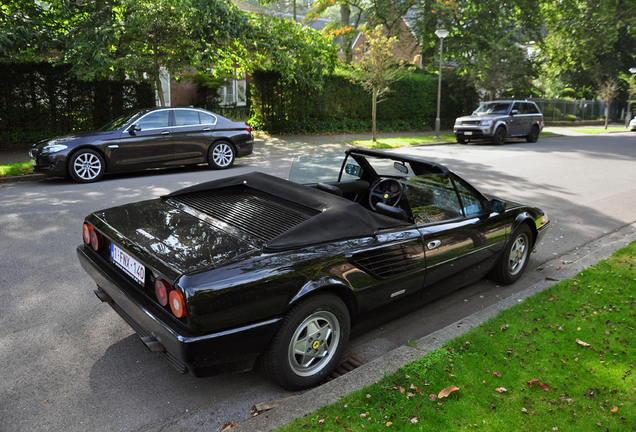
122 121
322 167
493 108
326 167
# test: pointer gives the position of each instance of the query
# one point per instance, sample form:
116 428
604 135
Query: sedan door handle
433 244
165 133
113 146
206 129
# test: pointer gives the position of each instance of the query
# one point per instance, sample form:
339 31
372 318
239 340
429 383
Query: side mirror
513 112
497 206
134 128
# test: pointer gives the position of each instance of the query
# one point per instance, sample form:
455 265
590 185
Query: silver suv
498 120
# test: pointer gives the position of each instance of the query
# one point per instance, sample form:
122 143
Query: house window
233 92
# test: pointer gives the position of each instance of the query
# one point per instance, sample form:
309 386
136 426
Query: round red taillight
97 241
177 304
86 233
162 291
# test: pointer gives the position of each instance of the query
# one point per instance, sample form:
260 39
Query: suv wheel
499 137
533 136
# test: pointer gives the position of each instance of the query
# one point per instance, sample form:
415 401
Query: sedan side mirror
134 128
513 112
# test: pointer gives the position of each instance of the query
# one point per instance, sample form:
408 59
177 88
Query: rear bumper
202 355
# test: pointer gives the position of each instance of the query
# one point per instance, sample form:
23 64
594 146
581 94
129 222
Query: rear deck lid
164 236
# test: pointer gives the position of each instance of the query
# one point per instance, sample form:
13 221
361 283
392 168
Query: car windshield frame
488 108
122 121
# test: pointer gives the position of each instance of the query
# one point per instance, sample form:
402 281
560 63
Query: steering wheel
391 196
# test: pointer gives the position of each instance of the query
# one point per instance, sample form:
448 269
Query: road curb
389 363
22 178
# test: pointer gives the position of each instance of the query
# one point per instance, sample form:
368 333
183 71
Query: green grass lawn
599 131
561 360
16 169
384 143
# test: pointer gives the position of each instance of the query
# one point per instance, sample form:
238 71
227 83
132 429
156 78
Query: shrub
570 118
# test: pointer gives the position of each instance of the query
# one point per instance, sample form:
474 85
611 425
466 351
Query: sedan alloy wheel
86 166
221 155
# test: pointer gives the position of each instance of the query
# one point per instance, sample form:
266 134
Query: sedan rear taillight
177 304
249 129
162 291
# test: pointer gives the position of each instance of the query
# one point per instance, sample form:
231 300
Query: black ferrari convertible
256 270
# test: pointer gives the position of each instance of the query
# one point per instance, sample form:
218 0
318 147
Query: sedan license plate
468 133
128 264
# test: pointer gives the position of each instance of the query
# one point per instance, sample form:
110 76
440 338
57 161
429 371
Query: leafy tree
587 37
484 37
377 67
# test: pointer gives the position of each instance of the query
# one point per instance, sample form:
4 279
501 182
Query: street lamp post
441 34
629 104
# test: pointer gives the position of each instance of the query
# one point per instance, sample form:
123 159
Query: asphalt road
70 363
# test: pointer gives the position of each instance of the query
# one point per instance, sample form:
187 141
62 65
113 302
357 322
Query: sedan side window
155 120
185 117
432 198
207 118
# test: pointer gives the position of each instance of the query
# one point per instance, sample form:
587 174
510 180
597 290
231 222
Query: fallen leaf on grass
497 374
432 397
580 342
614 410
501 389
544 386
447 391
389 423
533 382
414 420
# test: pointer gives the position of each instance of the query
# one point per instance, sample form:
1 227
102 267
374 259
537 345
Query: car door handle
206 129
433 244
165 133
113 146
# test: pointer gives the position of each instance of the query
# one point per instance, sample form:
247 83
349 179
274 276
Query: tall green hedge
39 99
343 106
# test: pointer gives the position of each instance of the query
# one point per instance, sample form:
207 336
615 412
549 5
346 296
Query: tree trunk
162 101
345 19
373 111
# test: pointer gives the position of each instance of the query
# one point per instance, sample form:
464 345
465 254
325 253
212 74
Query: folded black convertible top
329 217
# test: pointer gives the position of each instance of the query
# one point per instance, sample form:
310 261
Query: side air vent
389 261
238 208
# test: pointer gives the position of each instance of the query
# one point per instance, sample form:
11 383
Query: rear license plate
468 133
128 264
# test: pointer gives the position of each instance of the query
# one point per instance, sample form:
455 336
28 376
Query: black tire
499 137
320 325
221 155
86 166
461 140
533 136
515 257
